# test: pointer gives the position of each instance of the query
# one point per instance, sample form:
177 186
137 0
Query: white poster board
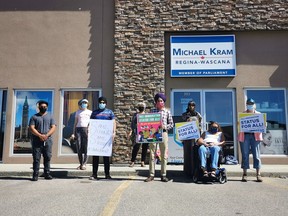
100 137
252 123
187 130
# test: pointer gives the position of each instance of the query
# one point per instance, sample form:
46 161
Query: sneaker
244 178
142 164
83 167
48 177
34 178
131 164
93 177
149 179
259 178
164 179
108 177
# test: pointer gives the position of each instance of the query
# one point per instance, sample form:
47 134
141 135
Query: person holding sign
191 112
132 135
102 113
166 124
190 115
250 141
210 143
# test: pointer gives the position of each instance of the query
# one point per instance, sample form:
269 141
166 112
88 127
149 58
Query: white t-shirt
213 138
83 117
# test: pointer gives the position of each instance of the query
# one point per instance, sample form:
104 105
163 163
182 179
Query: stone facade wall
139 44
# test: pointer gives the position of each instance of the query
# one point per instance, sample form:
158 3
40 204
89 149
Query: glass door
214 105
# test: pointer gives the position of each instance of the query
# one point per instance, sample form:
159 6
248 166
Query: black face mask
42 110
141 109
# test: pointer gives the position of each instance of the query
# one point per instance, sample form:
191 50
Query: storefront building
62 52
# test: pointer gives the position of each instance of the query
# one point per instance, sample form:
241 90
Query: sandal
244 178
131 164
205 173
142 164
213 174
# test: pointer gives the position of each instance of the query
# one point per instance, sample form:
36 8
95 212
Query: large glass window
70 106
26 106
273 103
3 101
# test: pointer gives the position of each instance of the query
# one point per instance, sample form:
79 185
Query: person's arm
170 123
36 133
201 141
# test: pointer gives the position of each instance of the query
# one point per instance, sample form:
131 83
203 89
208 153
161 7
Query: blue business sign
203 56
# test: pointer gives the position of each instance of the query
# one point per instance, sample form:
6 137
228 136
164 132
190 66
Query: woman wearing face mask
250 141
132 135
210 143
82 118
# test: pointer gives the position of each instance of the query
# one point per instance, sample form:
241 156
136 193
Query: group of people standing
42 126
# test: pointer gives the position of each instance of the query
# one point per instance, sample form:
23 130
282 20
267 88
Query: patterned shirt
105 114
167 120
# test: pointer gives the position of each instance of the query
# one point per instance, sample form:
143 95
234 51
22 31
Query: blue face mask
84 106
214 130
250 107
102 106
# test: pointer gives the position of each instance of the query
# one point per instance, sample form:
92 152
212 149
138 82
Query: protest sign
100 137
187 130
149 128
252 122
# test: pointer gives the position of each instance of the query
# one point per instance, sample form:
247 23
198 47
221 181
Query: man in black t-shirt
42 126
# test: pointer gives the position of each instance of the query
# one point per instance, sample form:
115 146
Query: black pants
96 164
82 141
39 148
135 150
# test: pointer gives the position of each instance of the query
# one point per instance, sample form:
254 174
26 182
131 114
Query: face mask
214 130
42 110
141 109
160 105
84 106
102 106
250 107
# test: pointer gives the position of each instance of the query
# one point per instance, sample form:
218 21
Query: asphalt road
132 196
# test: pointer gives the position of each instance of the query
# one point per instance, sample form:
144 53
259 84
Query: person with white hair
132 135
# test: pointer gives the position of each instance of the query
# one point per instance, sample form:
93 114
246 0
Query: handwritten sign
100 137
252 122
187 130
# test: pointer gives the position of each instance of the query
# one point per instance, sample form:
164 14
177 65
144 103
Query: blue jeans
250 144
214 155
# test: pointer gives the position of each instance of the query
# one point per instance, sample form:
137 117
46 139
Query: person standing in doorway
42 126
102 113
250 142
82 118
166 124
190 157
132 135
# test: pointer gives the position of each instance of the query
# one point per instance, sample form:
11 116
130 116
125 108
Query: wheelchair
198 175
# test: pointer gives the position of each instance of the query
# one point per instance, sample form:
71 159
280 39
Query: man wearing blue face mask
82 118
102 113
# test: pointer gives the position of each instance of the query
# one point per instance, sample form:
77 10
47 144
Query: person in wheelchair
210 144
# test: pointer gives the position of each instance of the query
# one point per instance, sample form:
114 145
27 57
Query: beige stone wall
140 26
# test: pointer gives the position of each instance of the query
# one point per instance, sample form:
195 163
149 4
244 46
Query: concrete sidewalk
69 170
